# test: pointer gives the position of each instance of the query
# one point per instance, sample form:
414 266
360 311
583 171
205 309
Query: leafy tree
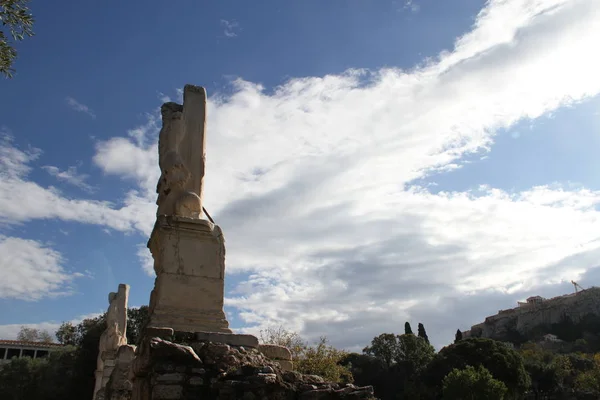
504 363
472 384
458 337
542 370
414 352
17 23
384 347
285 338
51 378
67 334
407 328
369 370
20 379
589 380
137 318
68 373
323 360
403 358
34 335
421 332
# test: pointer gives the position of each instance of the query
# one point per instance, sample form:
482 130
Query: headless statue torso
181 155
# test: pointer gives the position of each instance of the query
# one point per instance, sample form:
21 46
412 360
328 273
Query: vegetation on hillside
398 366
69 372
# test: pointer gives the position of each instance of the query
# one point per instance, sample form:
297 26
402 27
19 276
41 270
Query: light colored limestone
275 352
113 337
189 260
285 365
119 386
181 149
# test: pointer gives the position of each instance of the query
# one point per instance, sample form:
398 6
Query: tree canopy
472 384
17 23
320 359
458 336
504 363
27 334
407 328
421 332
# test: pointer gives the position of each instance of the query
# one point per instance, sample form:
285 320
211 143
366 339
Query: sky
370 162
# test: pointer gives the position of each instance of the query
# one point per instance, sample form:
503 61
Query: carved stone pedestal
189 261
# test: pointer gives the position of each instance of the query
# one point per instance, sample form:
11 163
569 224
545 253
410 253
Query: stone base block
189 320
231 339
189 260
275 352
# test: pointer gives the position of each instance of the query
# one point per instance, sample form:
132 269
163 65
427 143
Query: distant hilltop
538 317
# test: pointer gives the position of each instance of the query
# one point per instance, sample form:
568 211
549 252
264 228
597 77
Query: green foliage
67 334
66 374
320 359
20 379
414 352
41 379
323 360
365 369
589 381
402 358
472 384
421 332
384 347
285 338
17 23
407 328
34 335
137 318
505 364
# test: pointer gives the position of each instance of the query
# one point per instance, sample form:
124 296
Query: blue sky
425 161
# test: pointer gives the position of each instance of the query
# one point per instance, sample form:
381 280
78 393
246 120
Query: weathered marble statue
113 337
181 149
188 251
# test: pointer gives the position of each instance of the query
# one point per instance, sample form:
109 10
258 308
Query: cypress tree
422 333
458 336
408 329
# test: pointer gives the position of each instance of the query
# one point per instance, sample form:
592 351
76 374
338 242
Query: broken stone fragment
172 352
275 352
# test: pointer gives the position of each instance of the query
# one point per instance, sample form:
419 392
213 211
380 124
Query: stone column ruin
112 338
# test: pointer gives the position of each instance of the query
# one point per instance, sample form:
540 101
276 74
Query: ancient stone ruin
186 305
113 339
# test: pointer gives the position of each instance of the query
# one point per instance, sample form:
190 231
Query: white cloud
31 270
146 260
10 331
313 183
22 200
70 175
412 6
77 106
230 28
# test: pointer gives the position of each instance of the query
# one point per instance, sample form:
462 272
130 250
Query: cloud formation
314 183
230 28
80 107
10 331
70 176
30 270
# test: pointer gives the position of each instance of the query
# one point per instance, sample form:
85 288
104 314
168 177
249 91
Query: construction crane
577 285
